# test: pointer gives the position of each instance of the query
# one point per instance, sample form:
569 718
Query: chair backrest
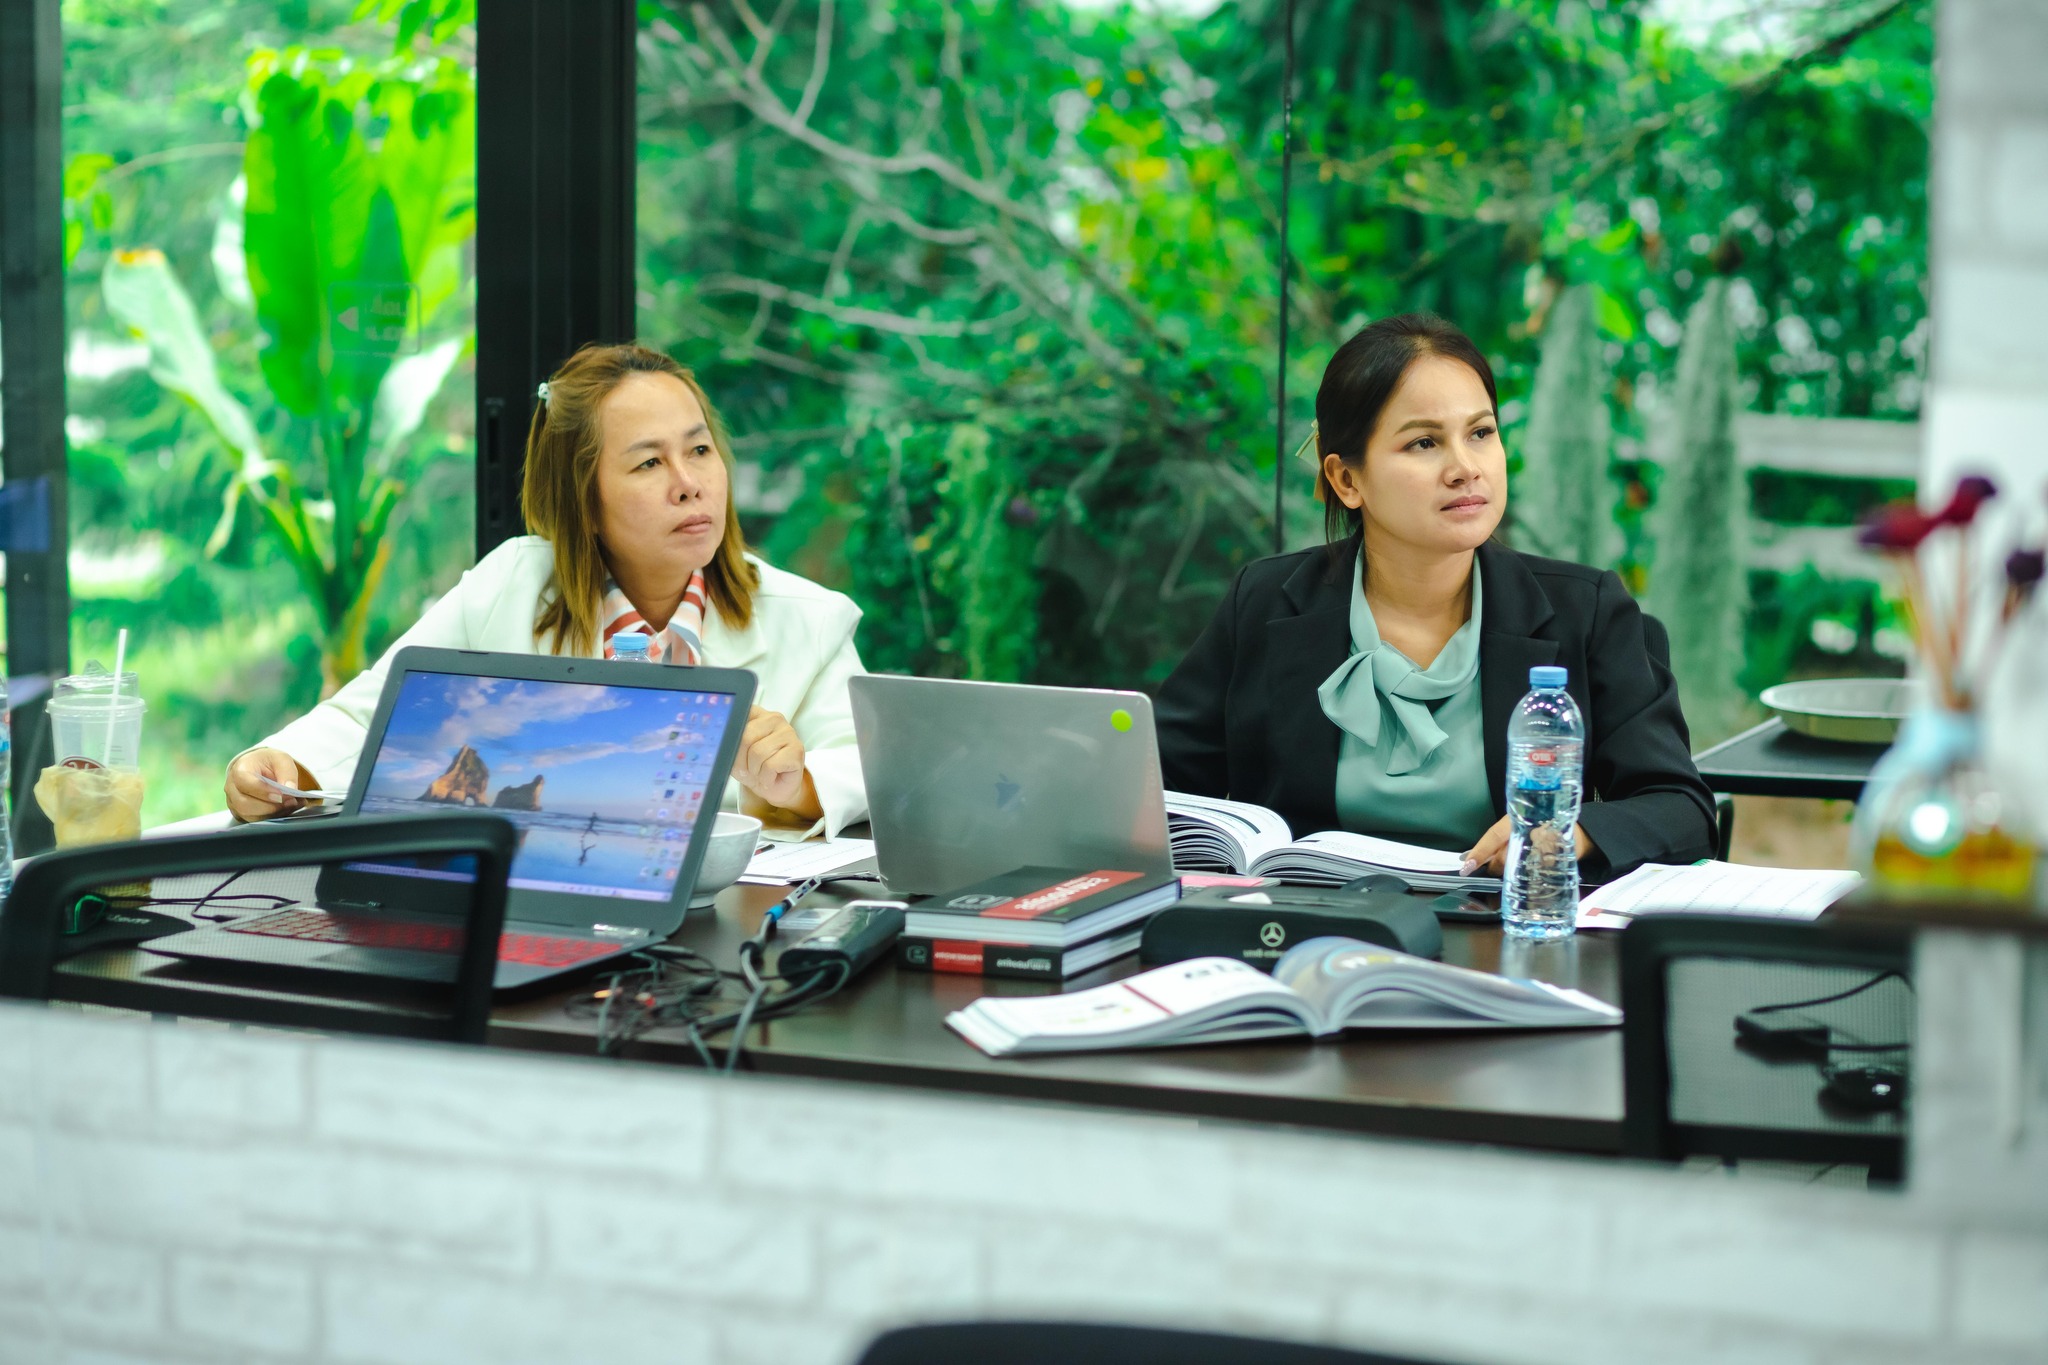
1690 1090
32 918
1657 643
1067 1343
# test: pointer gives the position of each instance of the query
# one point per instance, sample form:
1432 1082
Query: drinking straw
114 699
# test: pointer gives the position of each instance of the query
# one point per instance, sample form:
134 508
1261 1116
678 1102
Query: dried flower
1972 492
1897 528
2023 569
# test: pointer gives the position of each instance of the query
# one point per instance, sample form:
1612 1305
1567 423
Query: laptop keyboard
376 931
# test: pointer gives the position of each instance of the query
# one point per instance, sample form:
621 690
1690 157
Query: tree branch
765 105
894 323
821 62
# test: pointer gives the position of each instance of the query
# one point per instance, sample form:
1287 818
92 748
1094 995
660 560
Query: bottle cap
633 642
1547 675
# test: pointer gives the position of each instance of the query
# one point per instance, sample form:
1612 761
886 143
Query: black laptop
611 772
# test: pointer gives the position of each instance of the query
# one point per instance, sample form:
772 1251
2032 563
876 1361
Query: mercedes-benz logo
1272 934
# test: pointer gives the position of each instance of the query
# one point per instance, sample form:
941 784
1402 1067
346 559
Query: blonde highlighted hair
559 494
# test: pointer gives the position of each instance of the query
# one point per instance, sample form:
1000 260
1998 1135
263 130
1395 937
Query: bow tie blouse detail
1382 699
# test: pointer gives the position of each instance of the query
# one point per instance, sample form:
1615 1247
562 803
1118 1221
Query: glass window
269 210
986 292
989 291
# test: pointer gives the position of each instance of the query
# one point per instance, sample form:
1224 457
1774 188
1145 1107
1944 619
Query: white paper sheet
1715 889
787 864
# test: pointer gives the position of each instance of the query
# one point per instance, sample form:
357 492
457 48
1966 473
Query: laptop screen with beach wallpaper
604 784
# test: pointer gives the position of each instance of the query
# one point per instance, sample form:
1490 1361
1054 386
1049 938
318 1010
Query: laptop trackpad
389 962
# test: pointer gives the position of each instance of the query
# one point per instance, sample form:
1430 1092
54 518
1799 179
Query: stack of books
1036 923
1210 834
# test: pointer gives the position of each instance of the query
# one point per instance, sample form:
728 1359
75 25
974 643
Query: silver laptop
969 779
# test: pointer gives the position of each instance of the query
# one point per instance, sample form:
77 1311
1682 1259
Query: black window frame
32 403
557 128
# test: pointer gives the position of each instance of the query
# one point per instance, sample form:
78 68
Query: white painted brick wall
1988 395
183 1195
1981 1114
199 1195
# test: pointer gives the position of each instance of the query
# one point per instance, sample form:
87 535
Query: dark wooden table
1558 1090
1772 760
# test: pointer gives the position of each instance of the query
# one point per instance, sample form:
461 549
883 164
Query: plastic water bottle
632 647
6 787
1546 772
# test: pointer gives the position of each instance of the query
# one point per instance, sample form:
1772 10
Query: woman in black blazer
1413 477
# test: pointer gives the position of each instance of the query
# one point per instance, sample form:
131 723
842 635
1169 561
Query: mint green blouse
1413 760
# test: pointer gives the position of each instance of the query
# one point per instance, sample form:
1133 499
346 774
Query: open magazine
1320 987
1210 834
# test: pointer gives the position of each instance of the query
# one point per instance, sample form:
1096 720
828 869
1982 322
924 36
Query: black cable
199 904
1878 980
739 1032
669 989
1891 974
675 987
753 952
807 993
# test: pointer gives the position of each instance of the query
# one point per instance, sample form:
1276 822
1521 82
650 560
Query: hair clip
1312 439
542 392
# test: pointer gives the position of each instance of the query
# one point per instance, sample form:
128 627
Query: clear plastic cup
93 792
91 805
87 719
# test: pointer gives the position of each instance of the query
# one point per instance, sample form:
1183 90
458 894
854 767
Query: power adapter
852 938
1782 1035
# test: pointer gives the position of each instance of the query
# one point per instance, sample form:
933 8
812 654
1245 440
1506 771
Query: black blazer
1239 718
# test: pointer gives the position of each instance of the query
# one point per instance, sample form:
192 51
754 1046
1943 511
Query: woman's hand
770 764
249 799
1490 854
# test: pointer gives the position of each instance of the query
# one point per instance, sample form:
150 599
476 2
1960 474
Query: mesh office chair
1067 1343
33 919
1657 642
1691 1090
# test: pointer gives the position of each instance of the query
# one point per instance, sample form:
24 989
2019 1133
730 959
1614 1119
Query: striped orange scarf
681 642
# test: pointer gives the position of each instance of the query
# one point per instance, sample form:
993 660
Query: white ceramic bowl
1852 710
732 848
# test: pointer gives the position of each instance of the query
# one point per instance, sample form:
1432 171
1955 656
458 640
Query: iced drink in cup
93 792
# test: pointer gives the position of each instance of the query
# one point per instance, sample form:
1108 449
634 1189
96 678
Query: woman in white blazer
628 478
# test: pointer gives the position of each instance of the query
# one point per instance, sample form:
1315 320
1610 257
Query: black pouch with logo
1257 924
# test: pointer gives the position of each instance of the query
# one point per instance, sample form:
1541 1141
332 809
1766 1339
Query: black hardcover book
1023 961
1052 907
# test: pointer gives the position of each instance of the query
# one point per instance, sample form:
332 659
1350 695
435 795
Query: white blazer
800 645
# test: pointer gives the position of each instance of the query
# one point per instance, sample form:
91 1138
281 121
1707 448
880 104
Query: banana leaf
144 296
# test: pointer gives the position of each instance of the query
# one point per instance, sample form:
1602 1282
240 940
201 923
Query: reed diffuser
1934 823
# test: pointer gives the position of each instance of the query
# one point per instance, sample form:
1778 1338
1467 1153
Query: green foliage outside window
987 290
268 245
990 287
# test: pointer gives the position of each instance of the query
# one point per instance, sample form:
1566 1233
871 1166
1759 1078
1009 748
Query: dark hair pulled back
1360 379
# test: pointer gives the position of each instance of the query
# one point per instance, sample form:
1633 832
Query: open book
1711 888
1320 987
1210 834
